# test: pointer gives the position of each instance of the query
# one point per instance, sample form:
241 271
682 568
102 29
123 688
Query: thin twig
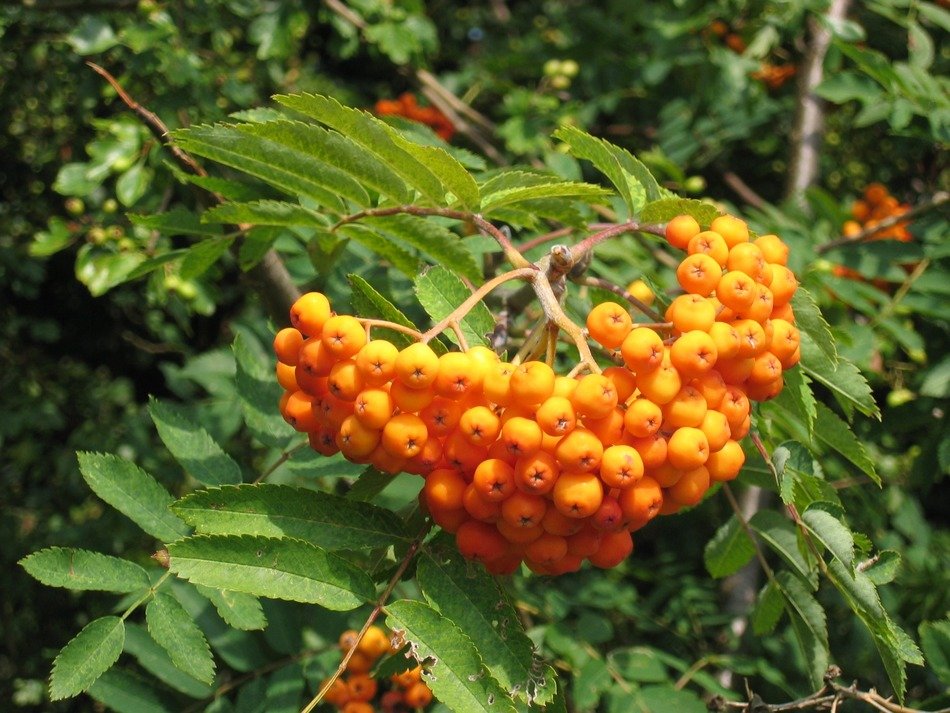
617 290
384 324
870 231
743 189
631 226
284 457
759 555
545 238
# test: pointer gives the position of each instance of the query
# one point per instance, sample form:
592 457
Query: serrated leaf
454 671
797 397
368 302
84 570
368 485
176 632
769 607
285 688
273 568
471 599
455 179
199 258
125 692
368 131
259 394
255 244
795 466
192 446
555 189
84 659
154 659
270 510
935 641
440 244
808 623
286 169
440 292
384 246
264 212
242 611
831 533
782 537
134 493
884 567
810 321
834 433
665 209
729 550
626 172
178 221
842 377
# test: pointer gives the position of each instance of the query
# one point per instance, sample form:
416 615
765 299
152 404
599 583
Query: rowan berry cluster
358 691
875 205
522 464
407 106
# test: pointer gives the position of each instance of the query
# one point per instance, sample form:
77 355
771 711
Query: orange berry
426 460
504 565
556 416
642 418
709 243
785 339
444 489
359 663
699 274
376 361
287 344
479 425
355 440
773 249
362 687
609 516
494 479
521 436
687 408
523 509
687 448
449 520
547 549
595 396
497 383
641 502
736 371
783 312
344 380
766 368
287 376
642 350
315 359
479 507
614 548
621 466
580 451
712 387
641 291
716 427
564 386
732 229
418 696
608 429
461 453
557 523
343 336
417 366
404 435
660 385
578 494
374 643
747 258
783 285
405 679
736 290
309 313
735 405
761 308
338 693
752 340
312 384
441 416
725 463
457 375
480 541
609 323
680 230
410 400
531 383
373 407
693 354
298 411
726 339
623 380
584 543
536 473
691 487
652 449
691 312
518 535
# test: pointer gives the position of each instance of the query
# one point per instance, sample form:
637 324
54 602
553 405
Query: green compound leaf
264 212
833 432
455 179
84 659
385 246
665 209
242 611
267 567
199 258
134 493
154 659
808 624
554 189
935 641
370 303
453 669
809 320
174 629
833 534
769 608
270 510
440 292
259 394
193 446
884 567
842 377
178 221
782 537
123 691
471 598
729 550
84 570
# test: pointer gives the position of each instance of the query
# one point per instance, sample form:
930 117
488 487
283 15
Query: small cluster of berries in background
358 691
771 75
406 106
875 205
524 465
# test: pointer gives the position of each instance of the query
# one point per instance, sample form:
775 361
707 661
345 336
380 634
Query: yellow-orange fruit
494 479
480 541
609 323
709 243
693 354
642 418
578 494
732 229
725 463
689 312
687 448
556 416
594 397
680 230
614 548
621 466
457 375
416 366
699 274
404 435
309 313
343 336
580 450
531 383
642 350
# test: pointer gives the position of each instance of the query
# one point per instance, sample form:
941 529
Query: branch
631 226
810 119
743 190
938 201
617 290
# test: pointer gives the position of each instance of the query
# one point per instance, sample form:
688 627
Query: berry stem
631 226
617 290
383 324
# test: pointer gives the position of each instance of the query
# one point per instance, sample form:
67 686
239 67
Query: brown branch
810 118
938 201
743 189
284 457
641 306
579 250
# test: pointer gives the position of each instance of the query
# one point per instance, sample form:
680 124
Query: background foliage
85 347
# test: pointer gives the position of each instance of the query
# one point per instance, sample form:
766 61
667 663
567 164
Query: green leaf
627 173
177 221
831 533
384 246
455 179
842 377
328 521
638 663
440 292
453 669
935 641
92 36
729 550
833 432
665 209
154 659
782 537
200 257
90 654
368 131
255 244
370 303
132 184
134 493
100 271
884 567
554 189
176 632
242 611
287 170
797 397
259 394
84 570
264 212
268 567
809 625
661 699
125 692
809 320
439 244
470 598
192 445
368 485
768 609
